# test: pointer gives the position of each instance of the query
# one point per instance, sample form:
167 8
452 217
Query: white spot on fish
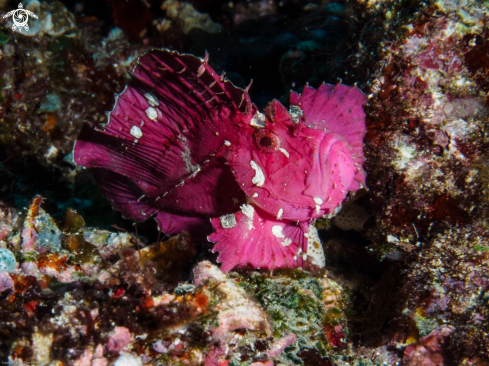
286 242
318 209
285 152
195 172
258 120
136 132
227 143
186 157
279 214
151 99
278 231
151 113
200 70
259 178
228 221
318 200
296 113
255 195
248 211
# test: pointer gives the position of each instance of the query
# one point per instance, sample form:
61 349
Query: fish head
290 170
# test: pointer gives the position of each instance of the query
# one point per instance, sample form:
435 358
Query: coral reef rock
184 14
427 153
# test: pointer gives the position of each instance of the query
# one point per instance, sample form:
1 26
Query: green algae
30 256
209 319
300 303
4 38
481 248
424 324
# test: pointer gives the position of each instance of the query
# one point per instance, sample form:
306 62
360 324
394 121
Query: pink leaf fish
185 144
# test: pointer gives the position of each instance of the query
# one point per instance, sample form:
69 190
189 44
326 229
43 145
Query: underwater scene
244 182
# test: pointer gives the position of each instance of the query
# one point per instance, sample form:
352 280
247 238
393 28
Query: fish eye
267 141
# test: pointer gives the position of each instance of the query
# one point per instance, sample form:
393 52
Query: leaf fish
184 144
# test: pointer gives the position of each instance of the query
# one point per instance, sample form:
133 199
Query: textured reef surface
347 225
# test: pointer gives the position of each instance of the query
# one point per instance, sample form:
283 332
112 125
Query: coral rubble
114 307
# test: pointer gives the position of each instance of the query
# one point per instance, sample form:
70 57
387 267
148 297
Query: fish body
184 144
157 153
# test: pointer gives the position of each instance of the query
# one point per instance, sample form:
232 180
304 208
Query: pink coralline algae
119 339
428 351
185 144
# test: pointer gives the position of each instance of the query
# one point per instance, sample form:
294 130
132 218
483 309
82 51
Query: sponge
7 260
